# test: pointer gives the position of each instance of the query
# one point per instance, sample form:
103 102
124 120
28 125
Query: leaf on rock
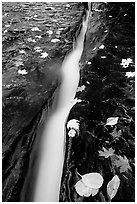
115 133
81 88
55 40
50 32
18 63
94 191
73 124
22 52
23 72
44 55
35 29
112 186
122 163
93 180
125 62
72 133
106 153
84 190
31 40
112 121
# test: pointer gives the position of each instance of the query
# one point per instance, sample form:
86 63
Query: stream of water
52 143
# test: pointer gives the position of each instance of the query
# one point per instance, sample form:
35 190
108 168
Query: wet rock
30 80
108 93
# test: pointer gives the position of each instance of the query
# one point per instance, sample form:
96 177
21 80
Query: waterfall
52 142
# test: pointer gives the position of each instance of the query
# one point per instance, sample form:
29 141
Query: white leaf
112 186
82 189
18 63
101 47
35 29
67 5
38 36
50 32
44 55
23 72
31 40
72 133
55 40
81 88
22 52
130 74
7 26
106 153
112 121
93 180
125 62
94 191
73 124
76 100
37 49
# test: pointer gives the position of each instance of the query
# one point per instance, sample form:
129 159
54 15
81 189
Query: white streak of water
53 139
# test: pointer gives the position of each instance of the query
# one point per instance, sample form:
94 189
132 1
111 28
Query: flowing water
52 143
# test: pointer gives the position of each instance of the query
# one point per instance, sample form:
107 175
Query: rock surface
36 37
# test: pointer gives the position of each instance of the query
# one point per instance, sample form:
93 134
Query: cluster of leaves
106 112
91 182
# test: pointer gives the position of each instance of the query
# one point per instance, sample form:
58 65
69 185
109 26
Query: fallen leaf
130 74
122 163
125 62
22 52
37 49
35 29
38 36
31 40
103 57
81 88
18 63
84 190
112 186
5 31
101 47
72 133
7 26
115 133
94 191
106 153
93 180
112 121
44 55
73 124
55 40
50 32
23 72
